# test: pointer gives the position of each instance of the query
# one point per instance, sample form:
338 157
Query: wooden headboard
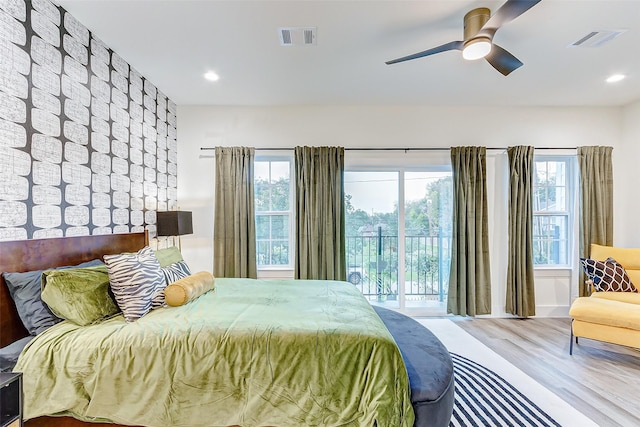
41 254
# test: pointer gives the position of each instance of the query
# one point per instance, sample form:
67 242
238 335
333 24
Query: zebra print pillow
137 282
176 271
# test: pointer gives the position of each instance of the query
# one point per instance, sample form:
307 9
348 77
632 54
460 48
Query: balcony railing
372 266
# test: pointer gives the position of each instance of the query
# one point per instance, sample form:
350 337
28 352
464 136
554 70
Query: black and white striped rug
484 399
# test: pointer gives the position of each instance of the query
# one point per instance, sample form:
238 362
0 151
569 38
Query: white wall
405 126
626 179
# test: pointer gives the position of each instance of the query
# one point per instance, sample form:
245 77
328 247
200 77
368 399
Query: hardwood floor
600 380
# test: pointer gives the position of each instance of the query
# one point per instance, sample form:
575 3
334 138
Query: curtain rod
402 149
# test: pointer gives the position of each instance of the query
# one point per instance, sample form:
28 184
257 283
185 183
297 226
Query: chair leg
571 340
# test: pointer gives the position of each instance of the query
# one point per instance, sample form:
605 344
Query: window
274 212
552 199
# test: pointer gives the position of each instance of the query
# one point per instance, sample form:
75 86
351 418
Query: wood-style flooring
600 380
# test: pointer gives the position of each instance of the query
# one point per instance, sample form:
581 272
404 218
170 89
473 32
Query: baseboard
552 311
541 311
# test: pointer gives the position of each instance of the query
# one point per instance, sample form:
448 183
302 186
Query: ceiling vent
597 38
297 36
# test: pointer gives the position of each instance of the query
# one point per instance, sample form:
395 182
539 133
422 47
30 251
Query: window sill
275 273
563 271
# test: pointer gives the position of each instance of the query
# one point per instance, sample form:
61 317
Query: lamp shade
174 223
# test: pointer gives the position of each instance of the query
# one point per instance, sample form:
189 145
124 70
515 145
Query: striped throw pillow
176 271
137 282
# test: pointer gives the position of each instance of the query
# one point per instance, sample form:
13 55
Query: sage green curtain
596 200
234 225
469 279
320 215
520 285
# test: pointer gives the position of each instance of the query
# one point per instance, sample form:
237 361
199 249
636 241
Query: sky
378 191
370 191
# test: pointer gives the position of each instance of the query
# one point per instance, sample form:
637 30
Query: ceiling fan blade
457 45
502 60
506 13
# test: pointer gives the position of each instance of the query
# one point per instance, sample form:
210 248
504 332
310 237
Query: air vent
597 38
297 36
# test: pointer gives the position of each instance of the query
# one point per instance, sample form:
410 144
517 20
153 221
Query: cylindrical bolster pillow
189 288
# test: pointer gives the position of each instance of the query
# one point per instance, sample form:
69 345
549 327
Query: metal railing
372 266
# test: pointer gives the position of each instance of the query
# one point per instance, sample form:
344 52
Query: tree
356 219
427 223
431 215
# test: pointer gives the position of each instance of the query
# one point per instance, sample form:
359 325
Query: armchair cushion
606 312
628 297
629 258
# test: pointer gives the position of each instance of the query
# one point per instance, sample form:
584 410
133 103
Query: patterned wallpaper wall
87 144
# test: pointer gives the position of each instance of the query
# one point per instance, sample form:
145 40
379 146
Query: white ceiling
173 43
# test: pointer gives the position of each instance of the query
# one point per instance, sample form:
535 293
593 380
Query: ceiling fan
479 29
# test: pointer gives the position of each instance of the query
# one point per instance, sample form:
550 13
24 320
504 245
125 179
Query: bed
276 353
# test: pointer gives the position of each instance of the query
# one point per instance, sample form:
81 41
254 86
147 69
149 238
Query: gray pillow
9 354
25 290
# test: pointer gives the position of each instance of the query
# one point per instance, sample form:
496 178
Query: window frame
570 198
290 213
402 162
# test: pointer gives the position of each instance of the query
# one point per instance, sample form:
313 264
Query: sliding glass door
398 234
371 202
427 237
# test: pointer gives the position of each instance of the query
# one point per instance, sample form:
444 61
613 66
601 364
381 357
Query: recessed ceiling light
615 78
211 76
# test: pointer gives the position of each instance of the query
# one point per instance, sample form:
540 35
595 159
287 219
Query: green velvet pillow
168 256
80 295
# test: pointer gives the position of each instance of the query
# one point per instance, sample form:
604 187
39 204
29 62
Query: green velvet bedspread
251 353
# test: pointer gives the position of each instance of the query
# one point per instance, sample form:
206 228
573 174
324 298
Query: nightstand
10 399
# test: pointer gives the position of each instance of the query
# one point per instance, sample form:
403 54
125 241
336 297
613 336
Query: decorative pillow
176 271
189 288
168 256
25 290
80 295
607 276
137 282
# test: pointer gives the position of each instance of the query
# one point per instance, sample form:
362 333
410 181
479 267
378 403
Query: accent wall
87 144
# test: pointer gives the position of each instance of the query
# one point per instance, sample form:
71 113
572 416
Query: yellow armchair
610 316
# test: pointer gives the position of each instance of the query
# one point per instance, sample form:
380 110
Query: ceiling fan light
476 49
